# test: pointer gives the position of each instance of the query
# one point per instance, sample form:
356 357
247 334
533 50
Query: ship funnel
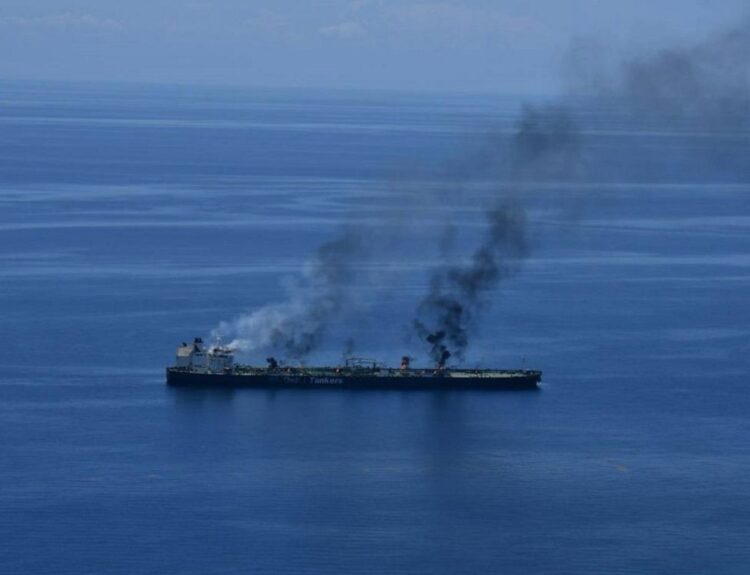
405 361
198 344
272 363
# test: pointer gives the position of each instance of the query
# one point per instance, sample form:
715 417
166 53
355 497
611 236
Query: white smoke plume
297 325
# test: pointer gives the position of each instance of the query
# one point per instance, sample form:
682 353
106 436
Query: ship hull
518 380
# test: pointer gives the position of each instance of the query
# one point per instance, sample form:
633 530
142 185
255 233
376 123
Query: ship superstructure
196 358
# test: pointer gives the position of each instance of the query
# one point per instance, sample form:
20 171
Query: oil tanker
207 367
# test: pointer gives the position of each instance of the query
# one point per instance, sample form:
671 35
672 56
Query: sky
504 46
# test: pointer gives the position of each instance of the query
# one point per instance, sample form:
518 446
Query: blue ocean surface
135 217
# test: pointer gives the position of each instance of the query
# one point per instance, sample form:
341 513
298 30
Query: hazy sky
467 45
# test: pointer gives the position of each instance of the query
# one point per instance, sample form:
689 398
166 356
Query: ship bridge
196 358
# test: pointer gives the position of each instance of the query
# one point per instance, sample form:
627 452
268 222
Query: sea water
135 217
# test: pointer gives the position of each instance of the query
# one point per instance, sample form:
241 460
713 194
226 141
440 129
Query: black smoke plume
545 147
457 293
706 86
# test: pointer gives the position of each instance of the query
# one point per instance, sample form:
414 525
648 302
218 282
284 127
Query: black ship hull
511 380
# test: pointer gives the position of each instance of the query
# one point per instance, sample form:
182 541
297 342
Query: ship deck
383 372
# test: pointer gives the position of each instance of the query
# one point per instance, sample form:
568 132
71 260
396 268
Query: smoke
705 86
546 146
298 325
700 87
458 292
